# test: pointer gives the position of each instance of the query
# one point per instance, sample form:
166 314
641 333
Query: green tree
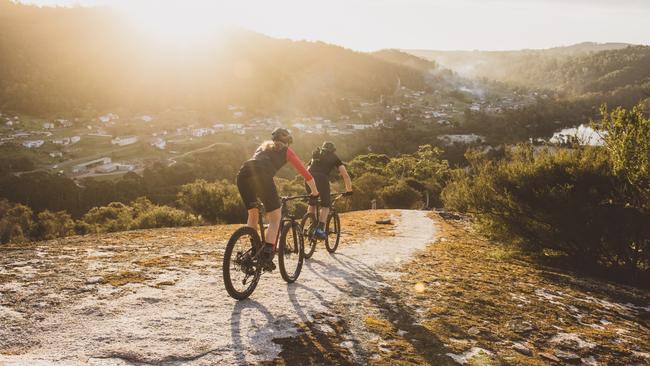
627 139
401 195
50 225
114 217
214 202
17 224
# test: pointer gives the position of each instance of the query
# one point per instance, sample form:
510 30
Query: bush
51 225
214 202
16 224
566 200
106 219
401 195
163 216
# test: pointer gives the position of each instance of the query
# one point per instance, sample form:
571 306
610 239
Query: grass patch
488 295
125 277
379 326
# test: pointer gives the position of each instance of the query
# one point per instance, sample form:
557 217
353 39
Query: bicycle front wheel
333 229
241 266
290 253
308 225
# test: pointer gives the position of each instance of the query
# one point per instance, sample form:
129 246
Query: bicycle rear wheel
308 225
291 251
241 266
333 229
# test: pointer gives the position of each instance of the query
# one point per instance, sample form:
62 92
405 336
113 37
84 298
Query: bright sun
177 21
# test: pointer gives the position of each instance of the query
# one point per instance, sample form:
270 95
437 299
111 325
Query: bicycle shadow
354 278
311 345
239 345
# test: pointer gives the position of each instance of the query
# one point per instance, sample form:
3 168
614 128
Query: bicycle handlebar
302 197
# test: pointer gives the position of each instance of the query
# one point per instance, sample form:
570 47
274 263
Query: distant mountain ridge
51 66
607 72
477 63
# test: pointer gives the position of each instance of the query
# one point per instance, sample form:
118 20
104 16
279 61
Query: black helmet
282 135
328 146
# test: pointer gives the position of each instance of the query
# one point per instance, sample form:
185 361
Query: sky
368 25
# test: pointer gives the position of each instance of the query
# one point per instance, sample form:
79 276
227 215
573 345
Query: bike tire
290 271
228 262
308 224
333 229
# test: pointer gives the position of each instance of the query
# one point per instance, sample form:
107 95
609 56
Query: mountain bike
332 227
242 259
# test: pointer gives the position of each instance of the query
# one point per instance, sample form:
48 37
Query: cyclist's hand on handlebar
348 193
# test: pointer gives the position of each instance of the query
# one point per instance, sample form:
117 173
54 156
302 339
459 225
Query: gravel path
195 322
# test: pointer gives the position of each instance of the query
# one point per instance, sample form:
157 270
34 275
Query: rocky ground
490 305
424 290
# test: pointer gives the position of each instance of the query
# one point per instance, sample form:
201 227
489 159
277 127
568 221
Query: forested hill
612 72
62 60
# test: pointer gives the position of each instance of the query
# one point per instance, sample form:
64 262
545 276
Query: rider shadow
360 280
237 338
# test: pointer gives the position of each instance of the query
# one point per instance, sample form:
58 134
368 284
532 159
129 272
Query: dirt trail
194 322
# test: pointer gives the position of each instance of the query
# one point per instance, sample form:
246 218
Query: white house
359 126
461 139
124 140
108 117
200 132
56 154
33 143
146 118
48 125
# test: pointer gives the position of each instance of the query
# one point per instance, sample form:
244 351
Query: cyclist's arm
300 167
346 178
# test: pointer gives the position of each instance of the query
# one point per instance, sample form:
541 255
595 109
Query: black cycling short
323 185
253 184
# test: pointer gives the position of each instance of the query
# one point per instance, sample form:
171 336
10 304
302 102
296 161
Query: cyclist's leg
323 185
271 200
246 187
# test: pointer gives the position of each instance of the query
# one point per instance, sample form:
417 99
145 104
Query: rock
474 331
347 344
522 349
384 347
589 361
567 356
94 280
549 357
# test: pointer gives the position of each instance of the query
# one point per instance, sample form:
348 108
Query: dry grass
357 226
123 278
481 294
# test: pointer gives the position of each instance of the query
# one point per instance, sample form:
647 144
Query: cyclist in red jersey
255 181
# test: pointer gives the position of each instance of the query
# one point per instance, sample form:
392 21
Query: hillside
156 297
612 72
50 66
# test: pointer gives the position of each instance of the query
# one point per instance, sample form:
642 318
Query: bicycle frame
332 208
283 217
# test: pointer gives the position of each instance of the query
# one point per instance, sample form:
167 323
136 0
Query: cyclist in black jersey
324 160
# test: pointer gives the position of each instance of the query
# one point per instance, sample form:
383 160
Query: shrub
214 202
566 200
401 195
114 217
163 216
16 224
52 225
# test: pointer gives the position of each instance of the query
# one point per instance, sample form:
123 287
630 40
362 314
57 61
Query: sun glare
176 21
